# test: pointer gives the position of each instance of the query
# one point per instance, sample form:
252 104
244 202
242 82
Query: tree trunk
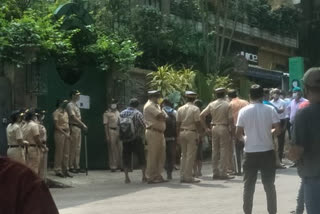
204 20
217 29
223 37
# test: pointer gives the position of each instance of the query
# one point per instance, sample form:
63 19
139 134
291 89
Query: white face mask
294 95
113 106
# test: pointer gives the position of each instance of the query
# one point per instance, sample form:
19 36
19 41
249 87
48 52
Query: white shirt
14 134
281 105
257 120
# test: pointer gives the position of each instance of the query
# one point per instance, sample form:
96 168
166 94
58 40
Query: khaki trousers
33 159
156 154
114 150
61 156
221 140
188 142
75 147
18 154
43 162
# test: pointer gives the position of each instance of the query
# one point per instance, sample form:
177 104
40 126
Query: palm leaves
168 80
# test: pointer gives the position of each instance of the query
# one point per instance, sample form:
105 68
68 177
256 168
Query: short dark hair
232 93
256 92
167 102
29 115
134 103
198 103
190 99
220 94
14 116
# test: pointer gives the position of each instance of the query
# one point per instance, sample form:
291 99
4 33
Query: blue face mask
168 109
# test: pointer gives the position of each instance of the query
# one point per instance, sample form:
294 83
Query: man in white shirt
281 106
255 124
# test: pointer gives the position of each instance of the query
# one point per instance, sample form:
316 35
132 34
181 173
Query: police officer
61 139
111 120
155 126
31 134
222 122
16 144
43 138
76 125
188 132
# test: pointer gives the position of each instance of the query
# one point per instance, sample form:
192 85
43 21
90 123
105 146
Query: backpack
171 125
127 129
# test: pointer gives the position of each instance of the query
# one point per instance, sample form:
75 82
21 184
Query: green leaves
33 37
168 80
115 51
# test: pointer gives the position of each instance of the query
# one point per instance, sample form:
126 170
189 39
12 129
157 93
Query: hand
25 143
84 127
295 153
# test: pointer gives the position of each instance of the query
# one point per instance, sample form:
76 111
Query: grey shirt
306 133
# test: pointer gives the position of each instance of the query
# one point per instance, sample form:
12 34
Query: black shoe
169 176
74 171
66 174
113 170
59 174
81 170
226 177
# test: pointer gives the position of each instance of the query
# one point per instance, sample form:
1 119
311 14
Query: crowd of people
245 134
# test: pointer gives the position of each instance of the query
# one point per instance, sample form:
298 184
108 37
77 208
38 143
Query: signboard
296 70
84 102
250 57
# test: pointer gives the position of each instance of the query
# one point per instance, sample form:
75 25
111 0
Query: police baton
86 152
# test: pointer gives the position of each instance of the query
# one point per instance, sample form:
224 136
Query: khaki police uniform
30 130
221 113
155 140
75 136
188 115
62 143
110 121
15 151
43 150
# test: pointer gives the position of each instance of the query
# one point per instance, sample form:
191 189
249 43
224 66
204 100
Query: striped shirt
138 118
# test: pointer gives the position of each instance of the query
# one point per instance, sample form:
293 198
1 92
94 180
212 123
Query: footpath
105 192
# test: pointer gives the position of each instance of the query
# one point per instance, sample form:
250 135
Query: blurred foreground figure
306 144
22 191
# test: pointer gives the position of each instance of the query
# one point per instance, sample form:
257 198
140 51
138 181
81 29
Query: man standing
111 120
221 138
16 150
132 121
294 105
170 136
155 127
75 129
281 106
256 122
306 144
188 133
236 105
61 139
31 134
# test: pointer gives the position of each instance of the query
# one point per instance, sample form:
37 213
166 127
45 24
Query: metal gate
92 84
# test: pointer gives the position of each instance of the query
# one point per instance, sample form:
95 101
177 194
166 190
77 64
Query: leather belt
72 124
220 124
15 146
156 130
113 128
32 145
188 130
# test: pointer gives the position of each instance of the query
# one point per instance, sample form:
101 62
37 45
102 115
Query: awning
262 73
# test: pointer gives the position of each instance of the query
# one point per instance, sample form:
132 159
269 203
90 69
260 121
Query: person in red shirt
22 191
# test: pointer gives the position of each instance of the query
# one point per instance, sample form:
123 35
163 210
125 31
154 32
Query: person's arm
203 116
239 133
73 117
55 122
198 122
299 134
106 126
19 137
230 121
276 123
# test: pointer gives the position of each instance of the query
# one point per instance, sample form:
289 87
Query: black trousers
265 162
239 152
170 155
281 139
133 147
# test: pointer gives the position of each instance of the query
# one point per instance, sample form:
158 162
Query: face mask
276 96
294 95
113 106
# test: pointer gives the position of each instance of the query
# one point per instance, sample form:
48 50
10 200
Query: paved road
103 192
